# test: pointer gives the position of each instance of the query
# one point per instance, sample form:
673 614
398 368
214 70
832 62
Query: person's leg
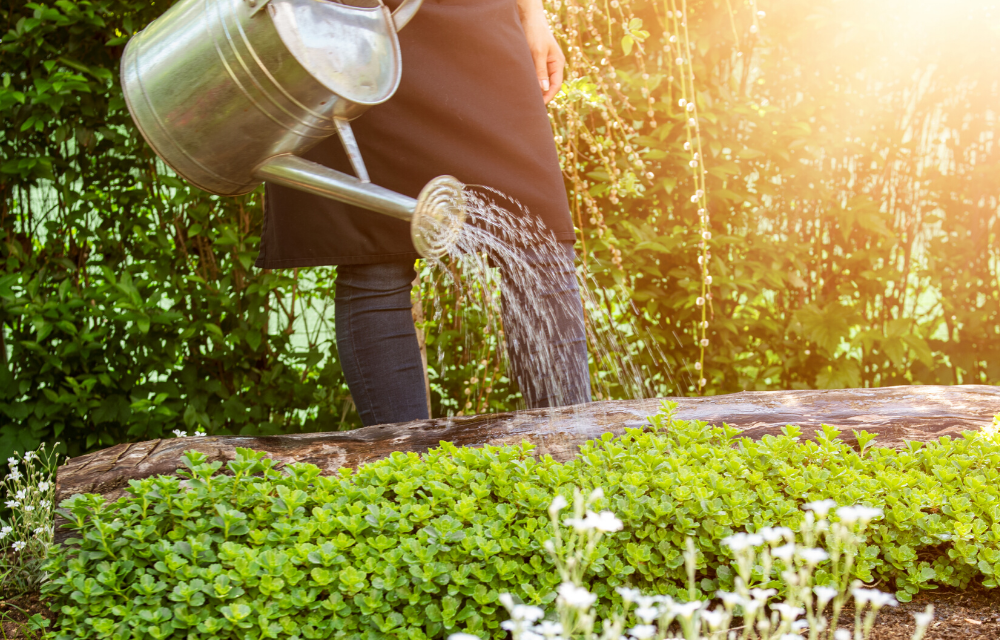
544 326
377 342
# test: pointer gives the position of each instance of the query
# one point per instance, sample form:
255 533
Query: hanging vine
599 126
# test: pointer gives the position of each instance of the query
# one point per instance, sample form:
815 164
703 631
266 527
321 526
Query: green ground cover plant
422 546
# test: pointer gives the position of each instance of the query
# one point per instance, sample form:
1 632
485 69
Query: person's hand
545 52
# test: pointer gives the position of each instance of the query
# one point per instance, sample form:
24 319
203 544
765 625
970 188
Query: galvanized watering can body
230 92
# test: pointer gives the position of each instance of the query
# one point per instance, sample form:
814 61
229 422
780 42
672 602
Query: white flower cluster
654 617
604 521
184 434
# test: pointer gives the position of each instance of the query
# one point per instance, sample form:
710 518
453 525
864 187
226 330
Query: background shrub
420 546
849 172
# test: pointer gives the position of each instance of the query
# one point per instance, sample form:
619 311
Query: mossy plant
422 546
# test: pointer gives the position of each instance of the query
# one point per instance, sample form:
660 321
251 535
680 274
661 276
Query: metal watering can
230 92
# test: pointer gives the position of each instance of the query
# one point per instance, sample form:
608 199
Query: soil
973 614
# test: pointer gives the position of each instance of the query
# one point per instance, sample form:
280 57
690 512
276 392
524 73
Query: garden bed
972 614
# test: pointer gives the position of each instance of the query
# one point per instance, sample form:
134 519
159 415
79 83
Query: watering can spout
436 216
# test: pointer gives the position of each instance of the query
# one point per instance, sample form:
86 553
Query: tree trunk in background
895 414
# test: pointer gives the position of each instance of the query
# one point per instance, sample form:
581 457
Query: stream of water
494 235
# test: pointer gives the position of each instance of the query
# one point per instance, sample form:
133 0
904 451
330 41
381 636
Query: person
477 75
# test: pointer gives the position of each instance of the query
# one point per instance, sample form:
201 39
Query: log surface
895 414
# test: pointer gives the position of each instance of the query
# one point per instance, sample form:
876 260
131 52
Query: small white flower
923 619
699 301
578 524
762 594
820 507
463 636
629 595
713 619
507 601
558 504
730 599
647 614
4 532
824 595
15 474
791 636
643 631
775 534
596 494
29 508
604 521
686 609
812 556
548 628
859 513
576 597
800 625
43 486
19 545
526 613
199 433
690 106
878 599
683 103
787 611
29 456
12 461
841 634
39 531
12 504
20 494
180 434
44 504
740 541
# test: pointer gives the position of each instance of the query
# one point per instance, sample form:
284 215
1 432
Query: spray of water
505 261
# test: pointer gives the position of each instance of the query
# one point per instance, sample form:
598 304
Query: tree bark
895 414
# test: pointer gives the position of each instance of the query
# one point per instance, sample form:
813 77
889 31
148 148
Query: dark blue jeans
377 342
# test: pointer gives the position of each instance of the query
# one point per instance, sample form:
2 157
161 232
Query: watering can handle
405 12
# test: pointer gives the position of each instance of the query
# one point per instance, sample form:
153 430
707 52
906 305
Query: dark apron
469 105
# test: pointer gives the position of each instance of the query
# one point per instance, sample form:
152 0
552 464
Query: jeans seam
357 363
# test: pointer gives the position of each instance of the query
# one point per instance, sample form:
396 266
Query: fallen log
895 414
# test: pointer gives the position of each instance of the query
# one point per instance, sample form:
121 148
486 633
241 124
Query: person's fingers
556 65
540 58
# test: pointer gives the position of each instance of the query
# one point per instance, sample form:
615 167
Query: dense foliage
849 154
852 224
420 546
129 304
